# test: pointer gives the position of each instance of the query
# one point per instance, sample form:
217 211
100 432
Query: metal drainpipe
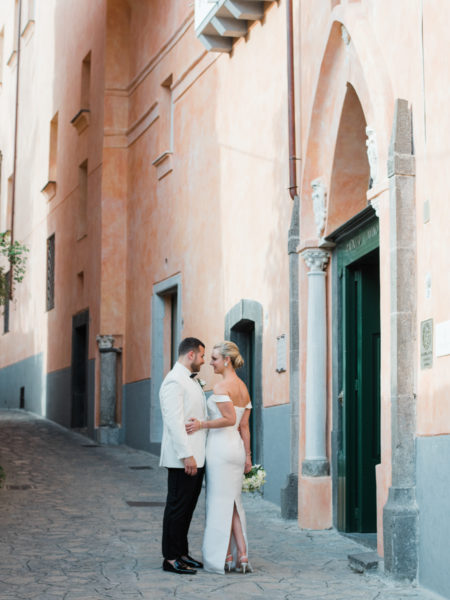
16 121
289 494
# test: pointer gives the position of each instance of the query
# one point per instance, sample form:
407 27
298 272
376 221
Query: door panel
243 334
79 374
359 450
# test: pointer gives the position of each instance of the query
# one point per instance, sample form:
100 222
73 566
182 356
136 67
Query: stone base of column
110 436
289 497
315 506
400 531
315 468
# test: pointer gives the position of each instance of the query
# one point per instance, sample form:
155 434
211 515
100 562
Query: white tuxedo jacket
181 398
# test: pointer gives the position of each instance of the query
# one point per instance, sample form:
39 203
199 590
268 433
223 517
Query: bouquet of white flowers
254 479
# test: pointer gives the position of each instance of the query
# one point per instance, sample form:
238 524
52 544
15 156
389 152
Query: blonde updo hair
229 350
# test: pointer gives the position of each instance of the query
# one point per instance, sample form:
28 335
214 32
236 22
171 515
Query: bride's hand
248 465
193 426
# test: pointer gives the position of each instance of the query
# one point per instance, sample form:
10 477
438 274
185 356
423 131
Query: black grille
6 307
51 272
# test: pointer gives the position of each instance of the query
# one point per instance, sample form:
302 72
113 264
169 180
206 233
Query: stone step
364 561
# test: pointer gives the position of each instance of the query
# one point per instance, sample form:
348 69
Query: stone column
400 514
108 430
316 463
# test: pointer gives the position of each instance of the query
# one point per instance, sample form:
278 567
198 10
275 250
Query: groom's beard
195 367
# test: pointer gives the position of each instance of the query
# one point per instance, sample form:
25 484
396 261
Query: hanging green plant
16 257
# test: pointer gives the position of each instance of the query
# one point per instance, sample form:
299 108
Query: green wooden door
359 407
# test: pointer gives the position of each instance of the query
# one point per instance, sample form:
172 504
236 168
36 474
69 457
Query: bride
228 457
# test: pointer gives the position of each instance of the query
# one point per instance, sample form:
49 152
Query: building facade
145 163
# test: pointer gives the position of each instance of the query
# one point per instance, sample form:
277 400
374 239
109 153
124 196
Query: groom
182 398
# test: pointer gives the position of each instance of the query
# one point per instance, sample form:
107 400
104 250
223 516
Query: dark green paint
359 404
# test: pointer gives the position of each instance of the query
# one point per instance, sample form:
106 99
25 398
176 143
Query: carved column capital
316 259
105 342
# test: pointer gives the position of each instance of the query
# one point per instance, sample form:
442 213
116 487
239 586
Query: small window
53 151
82 200
9 204
86 82
51 272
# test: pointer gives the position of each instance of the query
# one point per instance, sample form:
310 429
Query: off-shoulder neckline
227 396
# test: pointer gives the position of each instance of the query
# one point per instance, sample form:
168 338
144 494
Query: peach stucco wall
217 211
220 217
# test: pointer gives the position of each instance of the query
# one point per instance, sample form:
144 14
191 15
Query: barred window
6 307
51 272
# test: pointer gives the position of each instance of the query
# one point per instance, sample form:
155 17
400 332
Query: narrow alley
83 522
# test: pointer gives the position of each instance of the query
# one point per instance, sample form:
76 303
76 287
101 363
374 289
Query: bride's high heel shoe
244 566
228 563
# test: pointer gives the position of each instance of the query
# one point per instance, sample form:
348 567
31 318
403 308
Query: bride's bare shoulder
220 388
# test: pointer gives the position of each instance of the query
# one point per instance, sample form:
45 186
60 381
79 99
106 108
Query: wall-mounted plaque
426 344
281 353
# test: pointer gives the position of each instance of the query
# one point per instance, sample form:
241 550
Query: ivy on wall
15 264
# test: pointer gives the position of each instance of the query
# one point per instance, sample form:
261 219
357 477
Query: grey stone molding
171 284
315 468
108 386
400 514
289 494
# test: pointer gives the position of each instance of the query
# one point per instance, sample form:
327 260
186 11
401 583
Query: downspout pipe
16 128
289 494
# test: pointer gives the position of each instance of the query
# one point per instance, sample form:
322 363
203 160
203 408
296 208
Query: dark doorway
360 401
79 381
243 334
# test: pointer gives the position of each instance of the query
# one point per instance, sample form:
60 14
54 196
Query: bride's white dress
225 461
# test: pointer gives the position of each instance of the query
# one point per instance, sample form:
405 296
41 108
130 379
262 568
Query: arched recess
244 326
351 57
350 172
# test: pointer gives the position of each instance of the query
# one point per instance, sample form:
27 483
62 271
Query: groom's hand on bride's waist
190 465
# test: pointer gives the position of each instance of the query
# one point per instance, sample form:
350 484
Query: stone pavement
67 532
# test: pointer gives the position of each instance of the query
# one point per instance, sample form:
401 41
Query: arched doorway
356 329
243 326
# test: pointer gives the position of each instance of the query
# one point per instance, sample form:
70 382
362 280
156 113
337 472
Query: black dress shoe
178 567
191 562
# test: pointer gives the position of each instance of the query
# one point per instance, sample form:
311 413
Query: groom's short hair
188 344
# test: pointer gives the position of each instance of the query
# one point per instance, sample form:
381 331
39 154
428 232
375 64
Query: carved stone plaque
426 344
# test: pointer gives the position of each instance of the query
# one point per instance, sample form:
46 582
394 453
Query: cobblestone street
68 532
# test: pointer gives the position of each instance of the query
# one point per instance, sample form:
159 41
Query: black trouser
182 494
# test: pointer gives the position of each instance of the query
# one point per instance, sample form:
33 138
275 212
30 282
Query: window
6 307
53 151
49 189
86 82
15 26
27 15
51 272
9 202
170 300
82 200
